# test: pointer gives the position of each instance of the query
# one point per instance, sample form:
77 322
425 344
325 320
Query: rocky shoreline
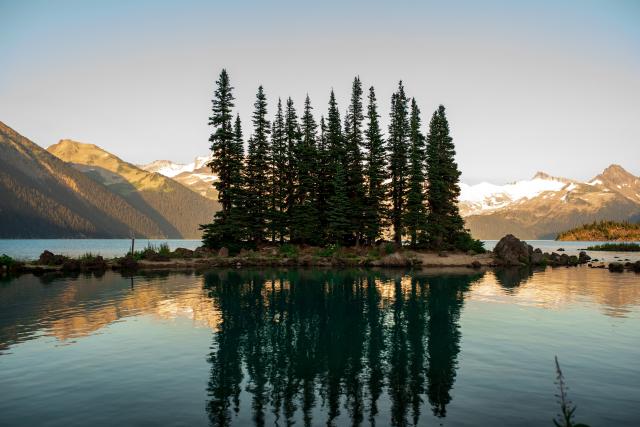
508 252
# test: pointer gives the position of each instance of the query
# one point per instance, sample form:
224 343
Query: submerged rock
616 267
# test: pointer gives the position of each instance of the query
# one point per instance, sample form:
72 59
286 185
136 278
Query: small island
599 231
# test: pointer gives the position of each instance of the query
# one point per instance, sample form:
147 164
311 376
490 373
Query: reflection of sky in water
452 350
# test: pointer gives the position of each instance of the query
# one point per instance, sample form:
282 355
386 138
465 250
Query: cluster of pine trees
337 181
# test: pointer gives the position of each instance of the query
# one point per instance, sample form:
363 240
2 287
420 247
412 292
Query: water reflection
313 344
316 346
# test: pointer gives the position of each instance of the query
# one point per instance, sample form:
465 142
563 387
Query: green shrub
389 248
467 243
87 256
6 261
290 251
164 249
328 251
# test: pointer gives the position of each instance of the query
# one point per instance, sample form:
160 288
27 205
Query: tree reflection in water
309 343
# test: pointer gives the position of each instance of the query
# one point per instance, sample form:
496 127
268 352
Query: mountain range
78 190
538 208
74 189
544 206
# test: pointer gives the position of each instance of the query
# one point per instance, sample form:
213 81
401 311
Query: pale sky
539 85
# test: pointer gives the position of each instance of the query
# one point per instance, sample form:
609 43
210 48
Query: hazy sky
539 85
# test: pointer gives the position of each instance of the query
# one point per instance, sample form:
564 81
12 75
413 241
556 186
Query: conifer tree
397 145
257 188
339 226
416 213
376 173
335 160
323 184
277 177
335 142
226 162
353 140
305 215
445 226
292 140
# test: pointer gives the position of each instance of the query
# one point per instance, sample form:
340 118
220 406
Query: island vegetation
603 231
616 247
334 182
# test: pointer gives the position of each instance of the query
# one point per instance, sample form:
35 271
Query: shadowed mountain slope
42 196
176 209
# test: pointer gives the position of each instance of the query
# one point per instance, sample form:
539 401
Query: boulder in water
512 251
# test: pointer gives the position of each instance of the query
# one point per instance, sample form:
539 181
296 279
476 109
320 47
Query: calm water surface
30 249
311 347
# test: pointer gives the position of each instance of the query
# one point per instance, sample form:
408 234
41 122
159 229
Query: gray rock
512 251
223 252
616 267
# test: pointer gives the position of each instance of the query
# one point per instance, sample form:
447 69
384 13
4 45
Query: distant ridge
176 209
44 197
613 195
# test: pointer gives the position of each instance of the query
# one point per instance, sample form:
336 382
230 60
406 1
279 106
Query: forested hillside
177 210
44 197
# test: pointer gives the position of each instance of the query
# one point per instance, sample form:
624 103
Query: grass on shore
616 247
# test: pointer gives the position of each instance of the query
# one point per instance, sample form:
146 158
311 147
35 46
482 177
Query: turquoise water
30 249
312 347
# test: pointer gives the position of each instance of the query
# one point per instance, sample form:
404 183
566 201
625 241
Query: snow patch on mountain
483 197
171 169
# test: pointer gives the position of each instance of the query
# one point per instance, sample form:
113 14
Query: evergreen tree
305 215
397 145
292 141
323 184
445 226
227 158
416 213
353 140
335 161
339 226
257 197
335 142
277 176
376 173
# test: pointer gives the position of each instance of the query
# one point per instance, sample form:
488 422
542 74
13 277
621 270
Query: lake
318 347
30 249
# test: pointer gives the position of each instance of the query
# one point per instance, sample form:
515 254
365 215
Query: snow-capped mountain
540 207
485 197
171 169
546 210
195 175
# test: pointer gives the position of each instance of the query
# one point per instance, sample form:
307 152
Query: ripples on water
253 347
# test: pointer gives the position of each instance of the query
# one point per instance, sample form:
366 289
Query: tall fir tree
277 177
445 226
323 184
335 141
353 141
397 145
292 139
258 197
335 160
227 163
376 173
339 227
305 222
416 212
